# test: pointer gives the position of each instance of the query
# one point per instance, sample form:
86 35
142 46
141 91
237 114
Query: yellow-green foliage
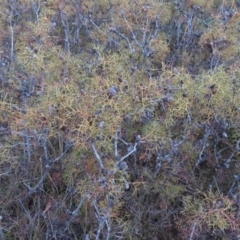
160 47
234 134
215 94
214 33
166 12
208 209
104 88
169 189
205 4
5 107
232 38
183 98
210 5
154 131
79 103
223 38
204 96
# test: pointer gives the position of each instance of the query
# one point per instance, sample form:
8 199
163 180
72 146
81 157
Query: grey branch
226 164
75 212
103 218
47 167
97 156
93 23
204 145
129 153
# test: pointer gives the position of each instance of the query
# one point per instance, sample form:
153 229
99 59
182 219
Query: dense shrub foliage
120 119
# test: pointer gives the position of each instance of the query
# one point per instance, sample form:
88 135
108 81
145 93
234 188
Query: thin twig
127 155
97 156
75 212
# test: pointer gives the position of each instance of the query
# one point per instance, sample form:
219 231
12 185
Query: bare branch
67 147
193 229
132 150
102 218
1 230
115 146
75 212
47 167
234 184
97 156
36 8
204 146
114 30
93 23
11 33
66 31
237 147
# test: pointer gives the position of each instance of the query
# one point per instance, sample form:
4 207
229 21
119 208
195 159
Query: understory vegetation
120 119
